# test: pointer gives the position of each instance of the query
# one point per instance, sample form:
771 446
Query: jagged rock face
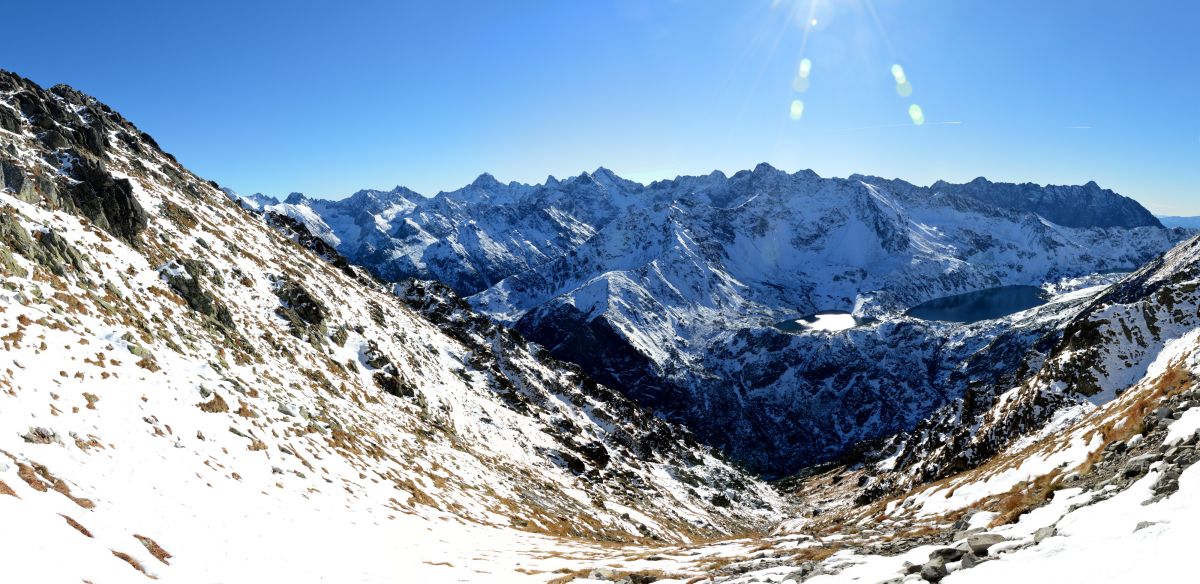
666 290
1071 206
75 132
255 348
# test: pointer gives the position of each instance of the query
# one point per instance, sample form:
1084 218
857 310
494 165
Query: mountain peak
486 180
604 172
295 199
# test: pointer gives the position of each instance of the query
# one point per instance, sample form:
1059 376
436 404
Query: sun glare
797 109
918 116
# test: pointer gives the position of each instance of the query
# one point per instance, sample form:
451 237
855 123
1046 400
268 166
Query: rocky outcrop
74 129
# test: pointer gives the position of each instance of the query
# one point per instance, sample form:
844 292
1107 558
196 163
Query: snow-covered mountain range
668 291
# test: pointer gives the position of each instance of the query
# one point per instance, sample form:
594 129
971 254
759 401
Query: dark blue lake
981 304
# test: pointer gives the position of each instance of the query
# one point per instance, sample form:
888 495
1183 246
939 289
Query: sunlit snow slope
187 394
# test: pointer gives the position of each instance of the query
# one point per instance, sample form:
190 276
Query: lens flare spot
918 116
898 73
904 89
797 109
800 84
805 67
812 22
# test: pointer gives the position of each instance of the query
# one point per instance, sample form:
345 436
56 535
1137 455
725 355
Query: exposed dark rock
947 554
107 202
9 120
393 385
188 283
934 570
299 301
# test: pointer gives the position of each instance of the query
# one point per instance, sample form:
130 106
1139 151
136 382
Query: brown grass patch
78 527
1025 497
64 490
6 490
244 410
149 364
216 405
133 562
27 474
155 550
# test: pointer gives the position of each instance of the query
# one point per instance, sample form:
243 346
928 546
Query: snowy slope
178 375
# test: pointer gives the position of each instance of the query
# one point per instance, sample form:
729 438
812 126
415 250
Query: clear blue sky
330 97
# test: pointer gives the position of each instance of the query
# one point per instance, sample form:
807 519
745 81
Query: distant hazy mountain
1176 221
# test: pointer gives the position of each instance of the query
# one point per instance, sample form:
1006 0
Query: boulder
980 543
970 560
1138 466
1044 533
603 574
947 554
934 570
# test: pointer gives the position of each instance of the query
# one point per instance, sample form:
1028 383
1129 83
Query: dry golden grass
216 405
572 575
133 562
155 550
78 527
6 490
30 476
58 485
1025 497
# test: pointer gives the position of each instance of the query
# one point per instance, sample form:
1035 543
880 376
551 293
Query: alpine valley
763 377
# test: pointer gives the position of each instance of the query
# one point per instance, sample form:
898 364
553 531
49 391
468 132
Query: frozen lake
821 321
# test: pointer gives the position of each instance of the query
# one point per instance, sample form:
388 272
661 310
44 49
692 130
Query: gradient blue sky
330 97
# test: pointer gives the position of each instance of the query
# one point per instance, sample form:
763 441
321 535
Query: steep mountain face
176 368
667 291
1071 206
